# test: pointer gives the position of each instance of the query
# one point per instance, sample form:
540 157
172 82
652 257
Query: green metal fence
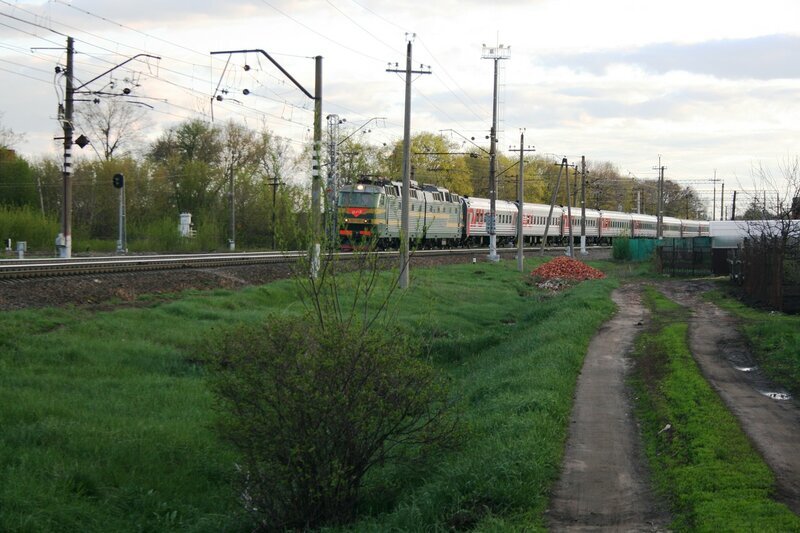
685 257
641 249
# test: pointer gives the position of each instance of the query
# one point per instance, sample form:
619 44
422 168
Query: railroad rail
55 267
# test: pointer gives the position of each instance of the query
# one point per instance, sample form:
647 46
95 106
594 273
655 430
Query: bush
622 249
28 224
313 403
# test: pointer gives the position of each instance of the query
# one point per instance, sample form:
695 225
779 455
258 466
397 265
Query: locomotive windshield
357 199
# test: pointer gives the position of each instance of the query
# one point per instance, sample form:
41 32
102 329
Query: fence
769 272
685 257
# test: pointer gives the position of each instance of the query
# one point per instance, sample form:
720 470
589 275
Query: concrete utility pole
722 202
733 207
521 197
406 195
660 204
714 197
316 175
496 54
64 239
571 247
583 205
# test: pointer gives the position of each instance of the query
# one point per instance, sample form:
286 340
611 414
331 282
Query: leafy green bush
312 403
28 224
622 249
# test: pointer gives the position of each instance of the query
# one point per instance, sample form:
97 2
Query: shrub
312 403
622 249
28 224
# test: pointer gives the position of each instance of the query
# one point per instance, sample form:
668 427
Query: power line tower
495 53
404 212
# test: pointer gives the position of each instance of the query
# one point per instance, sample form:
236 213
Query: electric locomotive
371 212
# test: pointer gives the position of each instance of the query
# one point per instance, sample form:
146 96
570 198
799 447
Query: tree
113 126
435 160
358 160
187 156
8 139
17 187
771 255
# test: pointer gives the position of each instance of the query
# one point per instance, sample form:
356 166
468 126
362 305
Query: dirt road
768 416
604 482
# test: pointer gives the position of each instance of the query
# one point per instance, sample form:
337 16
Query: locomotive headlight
359 187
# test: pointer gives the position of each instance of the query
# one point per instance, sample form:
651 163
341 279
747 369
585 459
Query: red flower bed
566 268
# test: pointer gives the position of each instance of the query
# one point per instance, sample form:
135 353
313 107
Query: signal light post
118 181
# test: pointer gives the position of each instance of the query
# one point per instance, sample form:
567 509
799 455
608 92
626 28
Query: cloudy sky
707 85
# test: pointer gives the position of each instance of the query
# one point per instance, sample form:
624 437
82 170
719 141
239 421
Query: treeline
190 167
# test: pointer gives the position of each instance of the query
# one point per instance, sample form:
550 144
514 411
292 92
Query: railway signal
118 181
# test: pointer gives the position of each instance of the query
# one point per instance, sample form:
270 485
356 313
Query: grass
704 464
774 338
106 417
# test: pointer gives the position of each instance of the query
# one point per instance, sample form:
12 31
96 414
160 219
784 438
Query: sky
709 87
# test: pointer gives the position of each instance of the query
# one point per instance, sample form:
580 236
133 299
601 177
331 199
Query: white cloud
707 84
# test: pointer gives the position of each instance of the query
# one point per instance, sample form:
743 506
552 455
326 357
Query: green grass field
107 419
704 464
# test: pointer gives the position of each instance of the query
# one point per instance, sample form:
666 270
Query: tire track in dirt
604 483
772 425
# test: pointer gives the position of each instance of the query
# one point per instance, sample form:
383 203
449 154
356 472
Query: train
370 211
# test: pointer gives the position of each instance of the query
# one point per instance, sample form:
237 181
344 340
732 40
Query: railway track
54 267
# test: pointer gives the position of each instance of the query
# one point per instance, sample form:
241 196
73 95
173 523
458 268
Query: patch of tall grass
702 462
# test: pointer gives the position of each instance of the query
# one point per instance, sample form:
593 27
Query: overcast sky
708 85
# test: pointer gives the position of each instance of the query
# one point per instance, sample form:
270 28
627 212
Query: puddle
745 368
777 395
